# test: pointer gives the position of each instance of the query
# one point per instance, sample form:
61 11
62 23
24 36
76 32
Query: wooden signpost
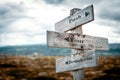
78 18
77 61
83 46
76 41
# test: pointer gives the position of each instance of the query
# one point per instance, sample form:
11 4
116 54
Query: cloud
8 14
110 10
26 21
27 26
108 16
54 1
21 39
117 31
23 31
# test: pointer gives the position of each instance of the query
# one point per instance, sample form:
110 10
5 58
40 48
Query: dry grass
43 68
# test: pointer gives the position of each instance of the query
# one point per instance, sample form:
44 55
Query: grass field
43 68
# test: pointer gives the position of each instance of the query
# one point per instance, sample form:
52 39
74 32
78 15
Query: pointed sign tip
86 14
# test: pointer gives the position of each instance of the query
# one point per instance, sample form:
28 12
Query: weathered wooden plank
76 41
79 18
77 61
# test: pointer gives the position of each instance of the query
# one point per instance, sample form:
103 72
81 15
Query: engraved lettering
74 19
84 58
73 40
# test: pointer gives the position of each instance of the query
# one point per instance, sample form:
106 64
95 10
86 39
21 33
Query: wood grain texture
77 61
76 41
79 18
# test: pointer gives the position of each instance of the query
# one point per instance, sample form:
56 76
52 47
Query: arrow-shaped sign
76 41
79 18
77 61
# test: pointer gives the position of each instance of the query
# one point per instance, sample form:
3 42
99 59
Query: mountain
44 50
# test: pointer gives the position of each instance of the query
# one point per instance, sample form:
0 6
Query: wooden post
77 74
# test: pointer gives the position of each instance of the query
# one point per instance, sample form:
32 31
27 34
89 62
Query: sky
25 22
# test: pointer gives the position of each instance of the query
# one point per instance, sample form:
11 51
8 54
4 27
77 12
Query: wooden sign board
77 61
79 18
76 41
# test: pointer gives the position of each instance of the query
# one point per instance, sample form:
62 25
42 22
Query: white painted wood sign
79 18
77 61
76 41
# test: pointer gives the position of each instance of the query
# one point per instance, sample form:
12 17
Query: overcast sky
24 22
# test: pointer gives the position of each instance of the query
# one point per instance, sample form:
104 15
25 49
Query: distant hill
114 49
44 50
31 49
